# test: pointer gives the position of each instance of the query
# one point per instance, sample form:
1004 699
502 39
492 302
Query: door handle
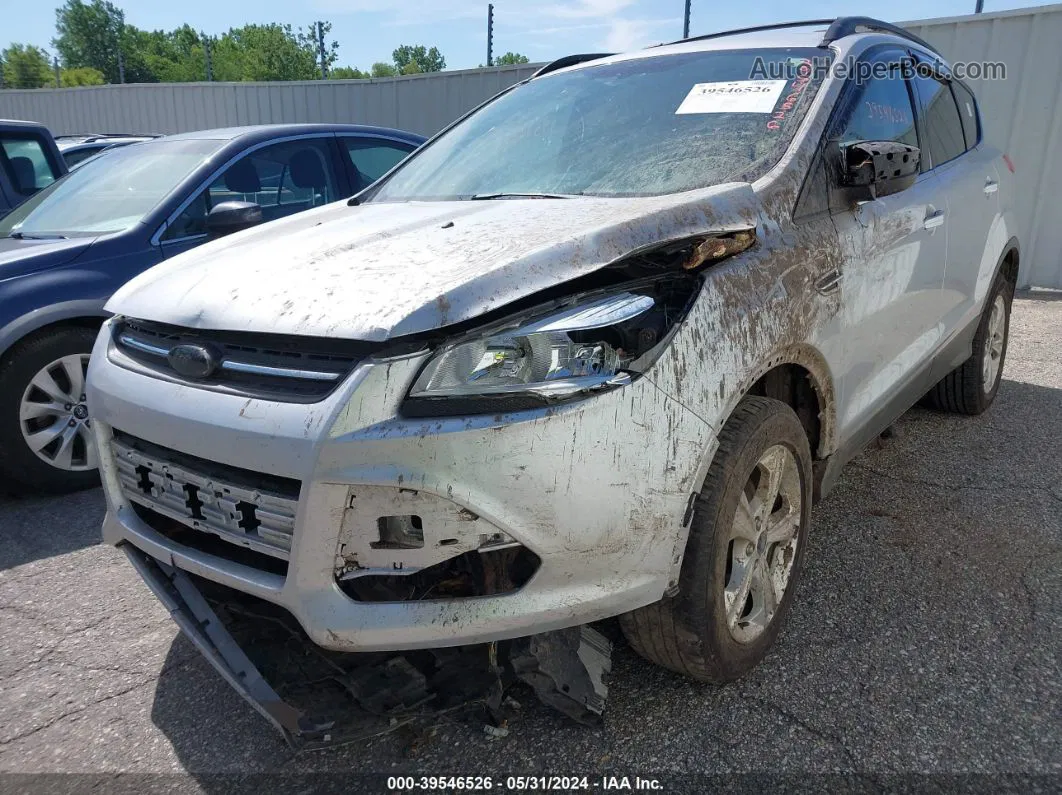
934 219
830 283
991 186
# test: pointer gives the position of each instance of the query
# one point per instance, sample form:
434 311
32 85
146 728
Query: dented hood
378 271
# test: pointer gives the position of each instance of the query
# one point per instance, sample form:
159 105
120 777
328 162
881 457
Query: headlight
535 361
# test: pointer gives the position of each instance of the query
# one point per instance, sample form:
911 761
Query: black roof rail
756 29
846 26
839 27
570 60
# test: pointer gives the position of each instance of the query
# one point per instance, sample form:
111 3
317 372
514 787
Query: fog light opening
399 532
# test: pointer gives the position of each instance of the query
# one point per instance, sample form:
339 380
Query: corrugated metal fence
1022 113
419 103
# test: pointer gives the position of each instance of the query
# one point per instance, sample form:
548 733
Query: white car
592 351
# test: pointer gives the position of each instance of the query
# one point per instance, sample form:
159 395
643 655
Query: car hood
384 270
19 257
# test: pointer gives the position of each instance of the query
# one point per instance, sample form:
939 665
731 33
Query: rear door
966 169
894 257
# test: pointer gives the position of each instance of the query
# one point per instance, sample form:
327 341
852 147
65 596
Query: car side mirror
232 216
872 169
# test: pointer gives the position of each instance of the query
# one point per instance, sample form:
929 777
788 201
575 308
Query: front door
893 266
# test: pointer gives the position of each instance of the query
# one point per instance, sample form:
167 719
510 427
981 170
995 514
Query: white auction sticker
736 96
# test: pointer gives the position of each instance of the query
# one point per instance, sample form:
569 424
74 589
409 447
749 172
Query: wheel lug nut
68 406
82 399
73 423
749 549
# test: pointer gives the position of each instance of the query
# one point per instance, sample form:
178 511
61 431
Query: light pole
686 21
490 34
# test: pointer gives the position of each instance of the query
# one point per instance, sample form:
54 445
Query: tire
690 632
21 467
965 390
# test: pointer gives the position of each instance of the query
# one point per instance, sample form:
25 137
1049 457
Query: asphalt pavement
925 644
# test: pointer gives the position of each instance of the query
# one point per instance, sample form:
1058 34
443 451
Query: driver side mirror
232 216
872 169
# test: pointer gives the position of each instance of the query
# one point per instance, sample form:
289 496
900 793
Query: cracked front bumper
597 490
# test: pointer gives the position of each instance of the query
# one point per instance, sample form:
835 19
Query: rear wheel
45 432
744 553
972 386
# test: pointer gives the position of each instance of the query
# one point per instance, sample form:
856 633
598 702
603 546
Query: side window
26 163
373 157
971 124
880 109
945 138
283 179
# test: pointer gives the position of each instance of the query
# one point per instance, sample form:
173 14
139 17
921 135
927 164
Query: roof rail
846 26
756 29
570 60
838 28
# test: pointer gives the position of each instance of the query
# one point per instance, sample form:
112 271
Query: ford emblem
192 361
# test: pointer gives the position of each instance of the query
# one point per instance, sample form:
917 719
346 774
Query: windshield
109 193
641 127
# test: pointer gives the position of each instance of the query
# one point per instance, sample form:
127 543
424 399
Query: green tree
92 34
510 58
263 52
26 66
381 69
178 56
410 59
82 76
347 73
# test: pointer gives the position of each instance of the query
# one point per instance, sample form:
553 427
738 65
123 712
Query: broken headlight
569 352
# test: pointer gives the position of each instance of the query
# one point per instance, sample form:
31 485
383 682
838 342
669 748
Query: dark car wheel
744 553
972 386
45 432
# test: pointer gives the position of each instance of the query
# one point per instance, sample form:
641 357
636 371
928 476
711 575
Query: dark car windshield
645 126
110 193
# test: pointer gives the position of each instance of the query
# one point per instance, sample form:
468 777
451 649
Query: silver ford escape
593 351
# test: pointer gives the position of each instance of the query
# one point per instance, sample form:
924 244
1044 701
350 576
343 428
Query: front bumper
598 490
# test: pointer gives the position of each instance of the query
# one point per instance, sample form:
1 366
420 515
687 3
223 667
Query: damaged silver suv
593 351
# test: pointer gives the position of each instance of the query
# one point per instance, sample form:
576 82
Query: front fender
39 317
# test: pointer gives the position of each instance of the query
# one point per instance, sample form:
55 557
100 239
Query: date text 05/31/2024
522 783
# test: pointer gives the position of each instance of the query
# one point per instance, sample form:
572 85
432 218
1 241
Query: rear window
971 124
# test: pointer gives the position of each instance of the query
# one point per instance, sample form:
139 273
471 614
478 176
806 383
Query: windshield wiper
485 196
24 236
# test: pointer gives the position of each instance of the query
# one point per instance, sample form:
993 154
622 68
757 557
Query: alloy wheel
53 416
763 543
995 336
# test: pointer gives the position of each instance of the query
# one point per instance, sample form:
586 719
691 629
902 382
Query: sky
368 30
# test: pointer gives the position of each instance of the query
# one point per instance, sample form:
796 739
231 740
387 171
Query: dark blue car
65 250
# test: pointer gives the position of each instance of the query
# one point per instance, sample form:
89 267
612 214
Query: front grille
253 510
269 366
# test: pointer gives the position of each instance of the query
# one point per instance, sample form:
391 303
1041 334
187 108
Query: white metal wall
419 103
1023 114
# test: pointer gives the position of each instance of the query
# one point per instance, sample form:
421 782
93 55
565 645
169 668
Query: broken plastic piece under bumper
201 625
566 668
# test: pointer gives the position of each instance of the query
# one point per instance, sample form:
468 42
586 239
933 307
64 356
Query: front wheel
744 553
45 432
